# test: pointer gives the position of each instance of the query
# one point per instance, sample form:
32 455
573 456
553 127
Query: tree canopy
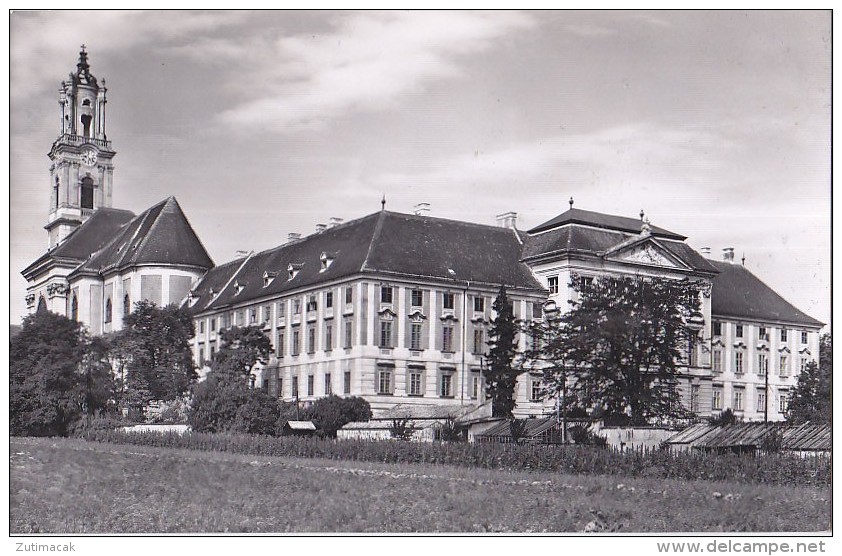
811 398
501 373
57 374
619 349
154 349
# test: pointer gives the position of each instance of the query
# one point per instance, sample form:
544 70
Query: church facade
392 307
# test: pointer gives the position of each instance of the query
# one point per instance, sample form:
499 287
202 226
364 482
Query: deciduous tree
811 398
621 346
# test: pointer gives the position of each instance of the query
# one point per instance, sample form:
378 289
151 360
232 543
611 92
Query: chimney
320 228
334 221
728 254
293 236
507 220
706 252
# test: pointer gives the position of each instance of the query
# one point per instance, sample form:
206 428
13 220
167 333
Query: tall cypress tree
501 375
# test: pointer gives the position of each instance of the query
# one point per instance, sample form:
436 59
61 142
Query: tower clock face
89 158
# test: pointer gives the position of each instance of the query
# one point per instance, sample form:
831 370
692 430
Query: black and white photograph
435 273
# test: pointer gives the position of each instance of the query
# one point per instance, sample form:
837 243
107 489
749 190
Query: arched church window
127 305
87 193
108 310
86 124
55 193
42 304
74 308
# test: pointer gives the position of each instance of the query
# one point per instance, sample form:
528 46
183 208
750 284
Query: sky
716 124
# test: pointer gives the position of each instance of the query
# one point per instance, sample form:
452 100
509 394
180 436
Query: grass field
74 486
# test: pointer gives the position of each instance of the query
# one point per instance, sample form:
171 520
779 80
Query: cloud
367 63
43 44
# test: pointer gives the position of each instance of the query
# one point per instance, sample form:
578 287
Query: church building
99 259
392 307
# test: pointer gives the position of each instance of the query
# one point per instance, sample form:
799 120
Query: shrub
583 436
517 428
332 413
401 429
451 432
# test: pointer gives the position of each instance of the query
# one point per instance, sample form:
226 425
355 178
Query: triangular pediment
645 250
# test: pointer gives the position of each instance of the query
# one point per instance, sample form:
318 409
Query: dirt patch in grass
73 486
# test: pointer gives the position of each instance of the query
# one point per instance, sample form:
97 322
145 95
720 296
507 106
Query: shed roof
301 425
806 437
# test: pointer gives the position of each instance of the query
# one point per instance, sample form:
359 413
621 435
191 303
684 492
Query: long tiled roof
90 236
381 243
160 235
740 294
600 220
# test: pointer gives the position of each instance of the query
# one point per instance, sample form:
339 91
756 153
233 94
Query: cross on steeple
83 49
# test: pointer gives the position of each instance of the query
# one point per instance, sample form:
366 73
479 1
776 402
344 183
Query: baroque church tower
82 168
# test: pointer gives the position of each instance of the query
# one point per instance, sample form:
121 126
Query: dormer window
268 277
326 259
238 287
293 270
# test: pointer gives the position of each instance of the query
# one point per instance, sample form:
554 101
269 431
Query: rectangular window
328 337
783 368
417 298
803 364
761 400
201 327
384 381
739 395
328 385
280 345
415 336
385 294
783 334
479 304
329 299
280 387
761 333
479 340
739 332
346 382
447 337
241 318
446 385
311 339
349 295
475 388
717 360
282 310
448 300
536 391
311 303
213 324
212 352
415 382
738 362
803 337
296 306
762 364
296 342
267 313
695 389
552 284
783 401
349 334
201 355
295 387
717 328
252 315
385 334
311 382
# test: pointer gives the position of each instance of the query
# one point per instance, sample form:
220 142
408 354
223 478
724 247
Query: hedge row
767 469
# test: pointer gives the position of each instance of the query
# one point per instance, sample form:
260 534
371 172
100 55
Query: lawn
74 486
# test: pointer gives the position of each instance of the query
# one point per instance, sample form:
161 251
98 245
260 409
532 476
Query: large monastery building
392 307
